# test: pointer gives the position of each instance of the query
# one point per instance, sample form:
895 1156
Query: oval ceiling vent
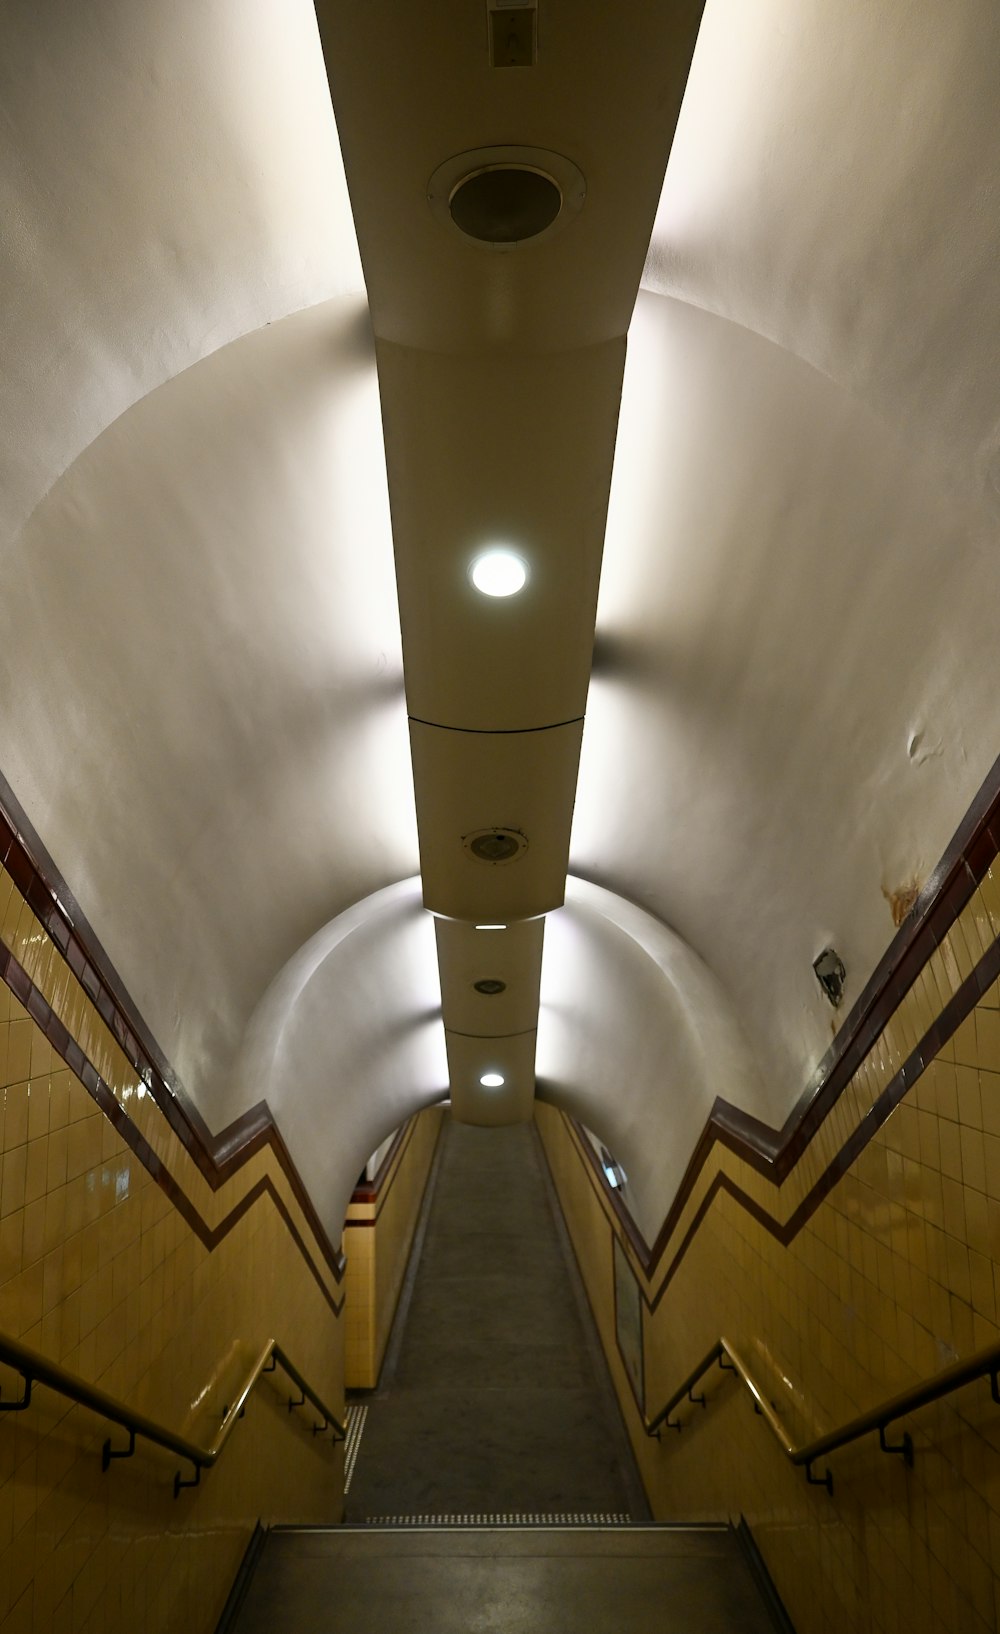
505 204
500 197
490 985
496 845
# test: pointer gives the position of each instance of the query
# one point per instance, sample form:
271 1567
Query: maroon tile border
368 1191
774 1152
45 1018
959 1007
377 1189
218 1157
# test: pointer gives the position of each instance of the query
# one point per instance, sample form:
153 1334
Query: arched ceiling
793 676
832 186
793 697
347 1038
631 1019
204 712
170 180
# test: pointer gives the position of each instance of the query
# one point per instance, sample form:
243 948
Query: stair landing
537 1580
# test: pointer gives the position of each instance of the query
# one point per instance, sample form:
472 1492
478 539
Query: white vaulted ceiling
207 674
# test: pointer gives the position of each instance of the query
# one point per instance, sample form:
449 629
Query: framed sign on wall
628 1323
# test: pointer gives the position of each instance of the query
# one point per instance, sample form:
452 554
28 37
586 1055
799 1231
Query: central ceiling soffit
501 277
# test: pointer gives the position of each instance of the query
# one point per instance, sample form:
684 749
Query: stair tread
370 1542
530 1580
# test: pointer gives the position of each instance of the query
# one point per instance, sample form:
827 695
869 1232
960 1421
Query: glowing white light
492 1080
499 573
491 927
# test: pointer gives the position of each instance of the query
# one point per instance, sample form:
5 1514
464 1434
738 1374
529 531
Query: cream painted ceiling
206 676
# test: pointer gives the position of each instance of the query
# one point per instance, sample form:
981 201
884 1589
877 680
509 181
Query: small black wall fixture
831 975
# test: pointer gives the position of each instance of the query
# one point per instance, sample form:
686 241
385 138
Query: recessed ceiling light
491 927
499 573
492 1080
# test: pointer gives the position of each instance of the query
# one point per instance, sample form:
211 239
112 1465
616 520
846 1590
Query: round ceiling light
489 986
499 573
495 845
492 1080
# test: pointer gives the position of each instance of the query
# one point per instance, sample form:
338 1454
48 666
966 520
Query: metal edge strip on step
456 1524
765 1584
241 1582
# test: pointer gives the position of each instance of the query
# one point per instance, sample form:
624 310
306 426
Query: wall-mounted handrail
35 1368
981 1364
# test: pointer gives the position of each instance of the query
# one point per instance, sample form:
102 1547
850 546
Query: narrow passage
495 1399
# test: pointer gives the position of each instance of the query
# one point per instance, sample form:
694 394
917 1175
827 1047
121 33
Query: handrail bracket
25 1401
178 1483
904 1448
819 1480
108 1451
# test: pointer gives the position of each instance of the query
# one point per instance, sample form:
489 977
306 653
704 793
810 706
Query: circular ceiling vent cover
500 197
505 204
490 985
496 845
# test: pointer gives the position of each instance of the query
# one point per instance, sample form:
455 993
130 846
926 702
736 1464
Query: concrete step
507 1580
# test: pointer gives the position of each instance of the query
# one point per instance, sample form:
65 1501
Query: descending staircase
511 1579
490 1476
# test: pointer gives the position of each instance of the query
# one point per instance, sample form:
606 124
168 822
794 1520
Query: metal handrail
35 1368
977 1366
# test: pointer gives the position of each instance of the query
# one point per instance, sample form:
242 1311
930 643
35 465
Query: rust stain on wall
901 900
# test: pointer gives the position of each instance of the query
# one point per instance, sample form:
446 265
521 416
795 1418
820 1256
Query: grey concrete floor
495 1396
513 1582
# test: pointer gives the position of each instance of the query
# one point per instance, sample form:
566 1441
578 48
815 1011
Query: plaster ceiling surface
794 688
832 184
202 677
170 179
346 1043
636 1038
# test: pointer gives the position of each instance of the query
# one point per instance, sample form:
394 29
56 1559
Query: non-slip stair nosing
369 1529
354 1418
496 1520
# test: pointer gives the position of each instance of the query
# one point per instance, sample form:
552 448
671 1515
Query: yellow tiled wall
101 1272
377 1239
892 1277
